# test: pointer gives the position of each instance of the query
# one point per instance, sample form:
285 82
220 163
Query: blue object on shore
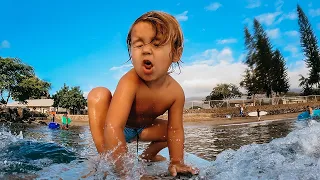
306 116
54 125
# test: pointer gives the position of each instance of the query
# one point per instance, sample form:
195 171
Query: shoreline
243 120
206 119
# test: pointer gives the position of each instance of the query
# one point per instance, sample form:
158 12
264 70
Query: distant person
65 121
258 114
310 111
241 110
53 115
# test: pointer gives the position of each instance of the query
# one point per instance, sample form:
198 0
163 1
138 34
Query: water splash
20 156
95 167
296 156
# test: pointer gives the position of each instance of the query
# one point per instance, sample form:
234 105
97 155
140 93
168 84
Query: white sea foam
296 156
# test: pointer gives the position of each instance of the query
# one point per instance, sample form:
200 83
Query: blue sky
83 43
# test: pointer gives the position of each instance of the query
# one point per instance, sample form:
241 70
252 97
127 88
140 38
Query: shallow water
208 142
254 151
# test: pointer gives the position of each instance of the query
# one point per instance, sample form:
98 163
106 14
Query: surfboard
155 169
306 116
160 169
254 113
303 116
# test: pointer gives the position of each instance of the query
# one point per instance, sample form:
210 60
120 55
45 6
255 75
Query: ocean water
279 150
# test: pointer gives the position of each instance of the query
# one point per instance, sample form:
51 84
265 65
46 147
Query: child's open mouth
147 66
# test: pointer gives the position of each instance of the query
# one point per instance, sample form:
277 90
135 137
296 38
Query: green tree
224 91
263 59
32 87
309 44
70 98
249 81
76 99
250 47
280 80
59 97
18 81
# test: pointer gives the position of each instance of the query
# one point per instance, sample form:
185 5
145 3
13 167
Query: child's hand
182 168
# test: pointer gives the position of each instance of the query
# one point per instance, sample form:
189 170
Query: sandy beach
205 119
243 120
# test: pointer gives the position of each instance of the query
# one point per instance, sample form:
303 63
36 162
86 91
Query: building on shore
43 106
39 105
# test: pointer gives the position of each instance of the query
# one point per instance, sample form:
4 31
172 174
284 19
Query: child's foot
156 158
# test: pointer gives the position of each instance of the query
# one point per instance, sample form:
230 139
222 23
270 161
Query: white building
40 105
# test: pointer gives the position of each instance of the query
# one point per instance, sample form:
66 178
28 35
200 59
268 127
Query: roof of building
32 103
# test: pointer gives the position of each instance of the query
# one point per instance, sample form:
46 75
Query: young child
155 43
65 120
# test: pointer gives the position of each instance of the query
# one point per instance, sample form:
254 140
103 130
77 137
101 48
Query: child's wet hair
167 27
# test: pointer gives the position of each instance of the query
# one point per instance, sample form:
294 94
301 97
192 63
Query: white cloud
292 49
247 21
292 33
85 94
120 70
273 33
242 57
268 18
213 6
278 4
314 12
125 66
299 67
227 41
4 44
213 56
214 66
182 17
208 69
278 16
253 4
289 16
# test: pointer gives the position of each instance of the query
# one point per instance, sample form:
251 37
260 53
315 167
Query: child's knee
99 94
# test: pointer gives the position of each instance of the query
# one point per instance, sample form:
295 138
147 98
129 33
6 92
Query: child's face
150 60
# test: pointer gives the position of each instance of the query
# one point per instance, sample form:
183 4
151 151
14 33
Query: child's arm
175 129
176 137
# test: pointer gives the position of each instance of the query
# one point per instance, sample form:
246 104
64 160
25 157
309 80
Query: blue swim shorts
131 133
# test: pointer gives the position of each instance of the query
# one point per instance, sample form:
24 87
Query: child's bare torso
151 103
